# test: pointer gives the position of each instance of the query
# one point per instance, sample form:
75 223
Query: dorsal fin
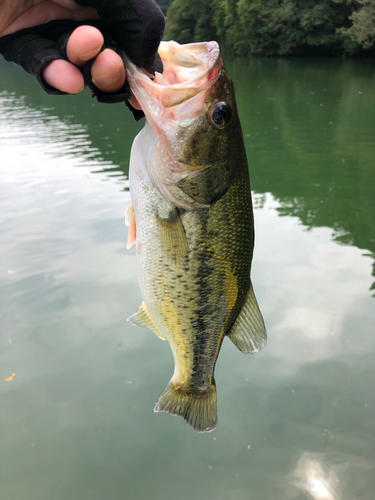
142 317
248 333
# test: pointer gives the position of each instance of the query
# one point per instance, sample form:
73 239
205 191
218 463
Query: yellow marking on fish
183 364
230 287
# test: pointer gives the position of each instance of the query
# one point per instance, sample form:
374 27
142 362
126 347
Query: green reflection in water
109 129
308 127
309 131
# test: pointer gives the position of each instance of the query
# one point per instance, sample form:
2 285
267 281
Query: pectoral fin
248 333
142 317
173 236
130 221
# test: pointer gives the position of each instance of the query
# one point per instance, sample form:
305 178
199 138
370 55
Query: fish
191 220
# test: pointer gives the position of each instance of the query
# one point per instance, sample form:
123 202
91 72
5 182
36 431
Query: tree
362 30
276 27
282 27
164 4
190 21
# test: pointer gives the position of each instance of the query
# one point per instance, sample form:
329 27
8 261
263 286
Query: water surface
296 421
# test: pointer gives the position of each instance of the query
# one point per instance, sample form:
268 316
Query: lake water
297 420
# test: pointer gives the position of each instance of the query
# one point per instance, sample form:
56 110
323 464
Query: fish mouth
179 93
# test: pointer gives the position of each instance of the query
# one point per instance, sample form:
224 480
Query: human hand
136 25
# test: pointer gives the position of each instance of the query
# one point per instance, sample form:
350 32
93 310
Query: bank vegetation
276 27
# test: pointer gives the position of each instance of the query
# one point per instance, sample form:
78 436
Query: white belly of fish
149 205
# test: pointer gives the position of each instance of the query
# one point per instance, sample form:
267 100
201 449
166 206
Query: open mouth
188 64
188 70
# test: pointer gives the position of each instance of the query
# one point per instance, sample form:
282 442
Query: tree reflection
308 128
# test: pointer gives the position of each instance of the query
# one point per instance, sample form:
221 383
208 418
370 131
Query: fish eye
220 114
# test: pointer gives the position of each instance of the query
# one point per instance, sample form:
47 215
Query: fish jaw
178 106
179 94
174 103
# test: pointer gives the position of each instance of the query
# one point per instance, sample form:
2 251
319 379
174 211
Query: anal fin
248 332
142 317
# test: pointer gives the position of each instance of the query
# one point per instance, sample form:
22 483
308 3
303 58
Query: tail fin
199 409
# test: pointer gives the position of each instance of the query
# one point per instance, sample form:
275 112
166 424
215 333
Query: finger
136 25
43 58
63 76
108 72
43 13
84 43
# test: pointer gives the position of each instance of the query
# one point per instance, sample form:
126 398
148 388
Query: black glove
134 25
137 26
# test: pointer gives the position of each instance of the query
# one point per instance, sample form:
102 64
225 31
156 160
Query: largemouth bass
191 219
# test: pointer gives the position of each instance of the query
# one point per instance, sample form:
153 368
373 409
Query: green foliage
228 25
190 21
362 31
275 27
164 5
286 27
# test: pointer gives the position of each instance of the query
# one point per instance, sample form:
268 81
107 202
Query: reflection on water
309 130
308 127
21 124
110 128
296 421
310 476
326 479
